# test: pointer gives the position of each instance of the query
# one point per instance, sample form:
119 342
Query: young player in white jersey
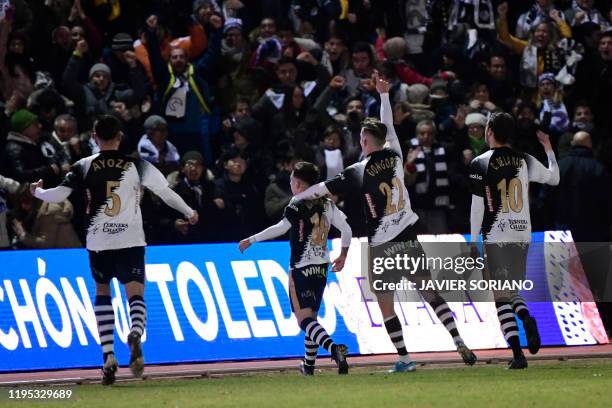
379 179
309 223
115 238
499 182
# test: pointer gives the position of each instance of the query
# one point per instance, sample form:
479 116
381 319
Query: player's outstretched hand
382 86
244 244
544 140
194 218
33 186
338 263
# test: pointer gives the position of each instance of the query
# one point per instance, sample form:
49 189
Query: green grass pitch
552 384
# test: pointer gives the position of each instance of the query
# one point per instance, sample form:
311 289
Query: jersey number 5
387 190
115 199
511 195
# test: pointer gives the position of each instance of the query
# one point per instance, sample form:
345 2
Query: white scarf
177 103
417 16
483 13
593 15
529 67
333 162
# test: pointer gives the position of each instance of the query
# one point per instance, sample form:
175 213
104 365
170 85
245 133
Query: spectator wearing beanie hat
153 146
234 64
22 159
117 58
477 144
200 193
94 98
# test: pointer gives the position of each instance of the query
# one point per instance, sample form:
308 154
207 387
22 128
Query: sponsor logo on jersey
313 270
114 228
489 199
476 176
518 225
371 205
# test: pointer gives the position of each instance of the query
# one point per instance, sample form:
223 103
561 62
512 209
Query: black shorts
506 261
309 283
405 243
126 264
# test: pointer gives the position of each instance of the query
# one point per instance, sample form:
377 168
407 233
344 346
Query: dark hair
107 127
334 129
307 172
285 25
502 125
232 153
582 104
376 128
242 99
387 68
285 60
527 105
351 99
363 47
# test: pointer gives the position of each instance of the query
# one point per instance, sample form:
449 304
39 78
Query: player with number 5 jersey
115 238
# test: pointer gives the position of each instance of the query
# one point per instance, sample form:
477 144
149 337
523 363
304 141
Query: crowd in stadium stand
225 96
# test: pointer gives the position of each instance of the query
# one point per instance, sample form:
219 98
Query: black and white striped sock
105 317
394 329
509 327
310 351
317 333
445 315
519 306
138 314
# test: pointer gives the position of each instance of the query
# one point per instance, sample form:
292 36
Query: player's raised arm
339 221
155 181
537 172
386 113
274 231
313 192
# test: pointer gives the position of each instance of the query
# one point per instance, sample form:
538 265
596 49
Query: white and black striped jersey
113 183
500 180
308 223
379 180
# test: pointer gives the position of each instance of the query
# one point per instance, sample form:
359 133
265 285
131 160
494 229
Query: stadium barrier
209 302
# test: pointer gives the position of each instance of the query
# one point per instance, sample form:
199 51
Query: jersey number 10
511 195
